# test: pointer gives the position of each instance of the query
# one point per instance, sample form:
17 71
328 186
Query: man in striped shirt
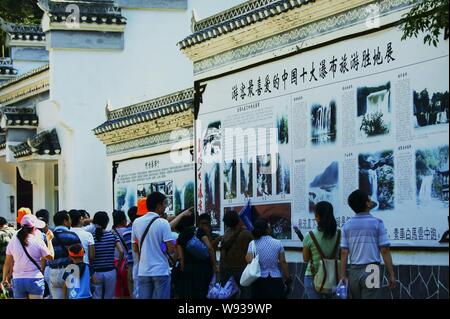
364 239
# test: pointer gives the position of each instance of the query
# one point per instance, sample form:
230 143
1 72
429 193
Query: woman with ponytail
327 237
104 268
23 257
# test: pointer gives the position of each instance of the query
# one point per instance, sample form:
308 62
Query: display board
170 173
369 112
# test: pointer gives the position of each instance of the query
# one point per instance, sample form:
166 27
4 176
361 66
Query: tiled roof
147 111
25 75
238 17
44 143
93 11
26 32
18 116
6 67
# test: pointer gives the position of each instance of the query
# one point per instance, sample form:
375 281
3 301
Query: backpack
197 248
328 274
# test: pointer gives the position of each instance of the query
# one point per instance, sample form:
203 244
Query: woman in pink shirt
23 257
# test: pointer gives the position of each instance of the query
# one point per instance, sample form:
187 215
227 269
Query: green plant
429 17
373 124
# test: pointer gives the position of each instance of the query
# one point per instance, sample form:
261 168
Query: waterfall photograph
374 110
432 176
211 193
282 126
246 168
283 175
324 184
376 177
264 175
125 198
229 180
323 123
430 107
184 197
212 143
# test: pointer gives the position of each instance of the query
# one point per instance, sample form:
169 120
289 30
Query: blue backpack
197 248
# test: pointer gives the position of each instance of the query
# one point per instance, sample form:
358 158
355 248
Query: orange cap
79 254
142 206
22 212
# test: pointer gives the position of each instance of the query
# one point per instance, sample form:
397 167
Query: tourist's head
261 228
156 202
231 219
360 202
62 218
76 253
3 222
186 222
204 222
101 221
325 219
119 218
132 213
75 217
43 215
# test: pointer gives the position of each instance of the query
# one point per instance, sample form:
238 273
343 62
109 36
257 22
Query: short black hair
75 217
60 217
132 213
260 228
43 215
231 218
357 201
154 199
205 217
118 217
3 221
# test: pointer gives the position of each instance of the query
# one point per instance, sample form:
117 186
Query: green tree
429 17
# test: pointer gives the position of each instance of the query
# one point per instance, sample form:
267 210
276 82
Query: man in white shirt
154 269
86 238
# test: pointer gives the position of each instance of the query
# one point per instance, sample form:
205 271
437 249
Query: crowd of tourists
148 255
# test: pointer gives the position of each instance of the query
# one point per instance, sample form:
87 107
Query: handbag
197 248
252 271
326 277
216 291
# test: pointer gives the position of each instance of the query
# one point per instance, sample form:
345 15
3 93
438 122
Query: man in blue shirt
63 239
364 239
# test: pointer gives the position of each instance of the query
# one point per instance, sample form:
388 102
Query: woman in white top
23 258
274 270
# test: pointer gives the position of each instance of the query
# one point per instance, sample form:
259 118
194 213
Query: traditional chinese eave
23 34
152 117
32 83
95 15
18 117
256 20
43 146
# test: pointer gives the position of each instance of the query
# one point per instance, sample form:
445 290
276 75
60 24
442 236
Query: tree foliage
429 17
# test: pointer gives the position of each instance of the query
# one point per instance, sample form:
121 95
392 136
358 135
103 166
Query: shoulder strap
232 240
29 257
316 243
141 243
121 240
